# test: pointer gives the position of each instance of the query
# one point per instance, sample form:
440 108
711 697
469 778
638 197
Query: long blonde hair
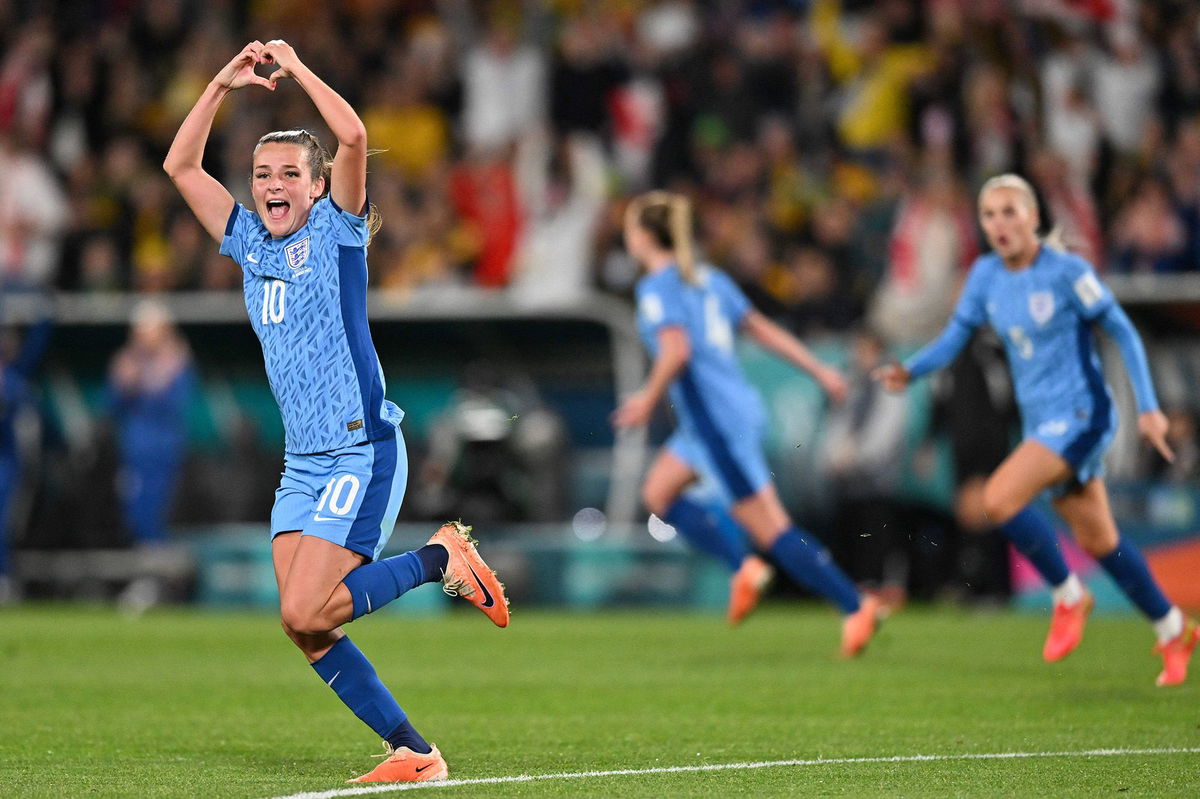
668 218
1011 180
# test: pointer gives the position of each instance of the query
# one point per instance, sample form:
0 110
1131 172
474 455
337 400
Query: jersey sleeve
659 306
969 314
971 309
241 222
734 301
350 229
1085 292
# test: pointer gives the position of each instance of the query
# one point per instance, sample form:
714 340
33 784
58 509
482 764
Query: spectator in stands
504 84
933 242
18 362
863 451
1151 233
150 381
32 214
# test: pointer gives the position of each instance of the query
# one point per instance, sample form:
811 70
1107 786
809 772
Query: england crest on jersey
297 254
1041 306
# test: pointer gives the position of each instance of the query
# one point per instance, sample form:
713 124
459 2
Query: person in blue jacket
688 317
1044 303
150 383
18 362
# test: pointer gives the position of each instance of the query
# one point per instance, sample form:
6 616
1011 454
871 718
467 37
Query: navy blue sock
407 735
1127 567
374 585
434 558
1034 537
810 565
352 677
701 530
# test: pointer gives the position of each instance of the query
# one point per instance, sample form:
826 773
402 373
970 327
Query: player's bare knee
1095 539
654 500
998 507
300 620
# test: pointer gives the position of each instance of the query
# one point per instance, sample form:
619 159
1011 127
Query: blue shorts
1078 439
734 465
349 496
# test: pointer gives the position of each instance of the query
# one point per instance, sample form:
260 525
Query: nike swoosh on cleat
419 769
488 601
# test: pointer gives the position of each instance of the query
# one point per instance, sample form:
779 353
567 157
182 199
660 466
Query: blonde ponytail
668 218
1056 239
681 236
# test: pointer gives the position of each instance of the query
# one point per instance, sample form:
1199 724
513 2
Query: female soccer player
303 253
1043 302
687 317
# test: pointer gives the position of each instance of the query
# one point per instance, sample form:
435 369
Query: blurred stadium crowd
833 149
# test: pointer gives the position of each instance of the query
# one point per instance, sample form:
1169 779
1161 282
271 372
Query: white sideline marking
832 761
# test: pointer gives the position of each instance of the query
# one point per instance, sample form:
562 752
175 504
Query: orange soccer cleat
859 626
468 576
1066 628
405 765
1176 653
746 587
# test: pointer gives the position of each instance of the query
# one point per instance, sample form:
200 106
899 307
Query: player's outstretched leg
704 529
1034 537
1177 635
746 587
859 627
405 765
809 563
467 576
1176 653
1072 605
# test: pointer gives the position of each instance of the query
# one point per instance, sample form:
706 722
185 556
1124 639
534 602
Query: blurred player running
1043 302
687 317
303 254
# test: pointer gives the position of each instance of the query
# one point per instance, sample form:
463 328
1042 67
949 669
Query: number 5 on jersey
339 493
273 304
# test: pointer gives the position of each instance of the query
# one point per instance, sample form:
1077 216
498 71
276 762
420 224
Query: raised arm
208 199
348 179
774 338
674 350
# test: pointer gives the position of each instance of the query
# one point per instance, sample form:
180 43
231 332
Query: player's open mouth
278 209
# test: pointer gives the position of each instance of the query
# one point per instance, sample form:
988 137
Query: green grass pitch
187 703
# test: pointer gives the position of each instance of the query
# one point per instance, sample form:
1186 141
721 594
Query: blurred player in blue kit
19 359
688 315
302 249
1043 303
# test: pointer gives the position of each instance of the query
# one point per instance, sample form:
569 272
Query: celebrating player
687 317
303 251
1043 302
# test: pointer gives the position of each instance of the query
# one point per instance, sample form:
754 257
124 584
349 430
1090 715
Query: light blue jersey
306 295
1045 314
721 416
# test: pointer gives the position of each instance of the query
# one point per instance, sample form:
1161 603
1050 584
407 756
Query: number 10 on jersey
273 305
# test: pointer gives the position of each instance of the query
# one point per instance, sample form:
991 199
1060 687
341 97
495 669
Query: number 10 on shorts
339 494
